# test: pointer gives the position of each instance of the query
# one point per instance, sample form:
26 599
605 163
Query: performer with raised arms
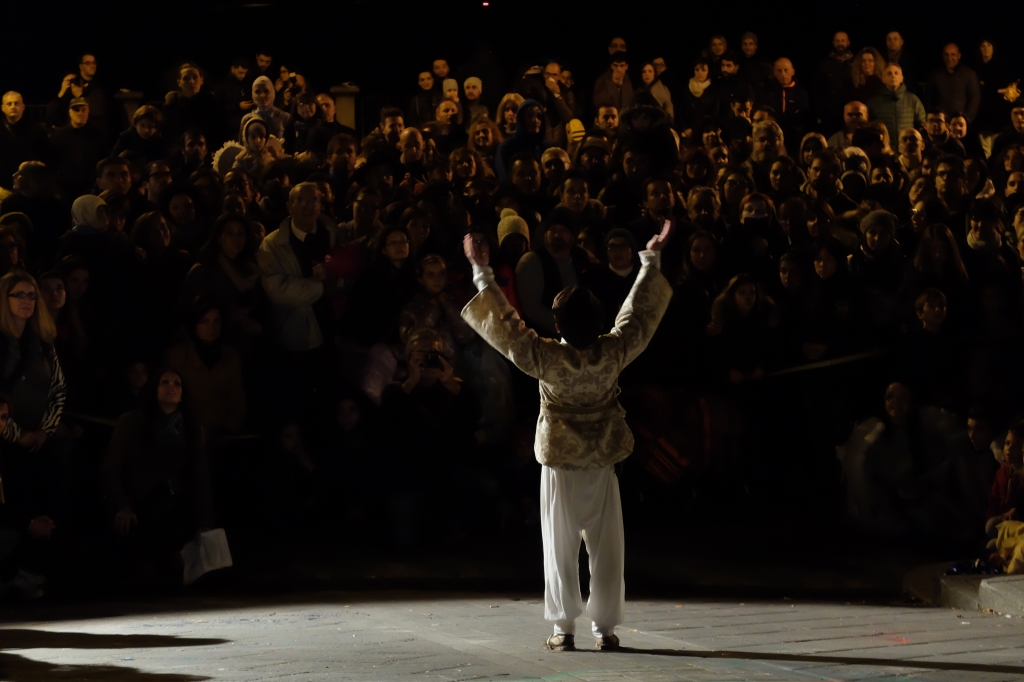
581 431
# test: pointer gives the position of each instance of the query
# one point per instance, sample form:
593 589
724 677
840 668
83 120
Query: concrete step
1002 594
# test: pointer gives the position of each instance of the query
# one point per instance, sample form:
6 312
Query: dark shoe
609 643
562 642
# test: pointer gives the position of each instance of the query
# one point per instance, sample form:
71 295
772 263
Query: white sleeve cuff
482 276
653 258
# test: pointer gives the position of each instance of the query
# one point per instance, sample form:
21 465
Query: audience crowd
238 261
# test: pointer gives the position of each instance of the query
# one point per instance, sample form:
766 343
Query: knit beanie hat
473 80
621 233
449 84
880 219
511 223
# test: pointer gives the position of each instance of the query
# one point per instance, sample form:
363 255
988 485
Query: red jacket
1007 491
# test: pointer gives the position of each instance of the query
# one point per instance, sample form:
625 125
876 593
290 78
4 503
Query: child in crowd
1007 493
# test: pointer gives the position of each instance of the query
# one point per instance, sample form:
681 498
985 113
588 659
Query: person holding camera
434 417
84 85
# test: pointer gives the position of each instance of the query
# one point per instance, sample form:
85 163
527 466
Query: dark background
381 45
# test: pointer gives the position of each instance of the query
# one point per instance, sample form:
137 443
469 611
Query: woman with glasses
30 373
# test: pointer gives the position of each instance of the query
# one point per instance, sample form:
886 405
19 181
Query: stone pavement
434 636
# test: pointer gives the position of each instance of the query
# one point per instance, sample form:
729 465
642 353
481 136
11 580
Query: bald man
789 100
955 86
296 279
20 139
894 105
410 144
855 115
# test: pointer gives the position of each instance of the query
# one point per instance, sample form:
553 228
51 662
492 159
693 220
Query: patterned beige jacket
581 424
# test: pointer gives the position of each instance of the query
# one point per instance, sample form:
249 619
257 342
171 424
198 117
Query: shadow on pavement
832 660
17 668
46 639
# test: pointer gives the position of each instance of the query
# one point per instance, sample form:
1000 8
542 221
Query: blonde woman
30 373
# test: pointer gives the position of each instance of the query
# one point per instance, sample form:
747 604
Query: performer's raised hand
659 241
474 253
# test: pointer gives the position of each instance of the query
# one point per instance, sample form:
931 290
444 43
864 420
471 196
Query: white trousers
575 505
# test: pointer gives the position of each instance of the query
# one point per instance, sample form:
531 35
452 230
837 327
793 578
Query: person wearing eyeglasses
85 85
30 373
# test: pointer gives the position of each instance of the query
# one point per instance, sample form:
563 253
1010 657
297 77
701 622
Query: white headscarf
270 85
84 210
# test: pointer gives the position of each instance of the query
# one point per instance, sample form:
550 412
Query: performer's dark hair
579 316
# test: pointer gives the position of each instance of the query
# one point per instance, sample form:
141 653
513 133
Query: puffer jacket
898 110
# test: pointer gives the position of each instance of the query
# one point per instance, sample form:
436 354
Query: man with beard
936 128
607 119
823 183
753 68
834 78
392 123
730 87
